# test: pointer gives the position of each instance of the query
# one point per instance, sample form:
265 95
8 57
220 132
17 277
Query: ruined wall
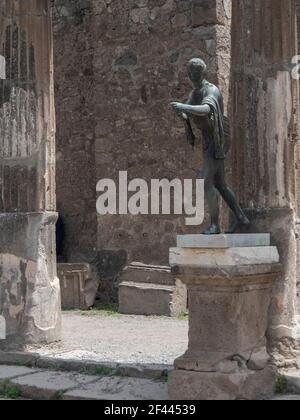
140 67
118 64
265 150
75 142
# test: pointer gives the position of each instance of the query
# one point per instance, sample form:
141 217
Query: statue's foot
238 224
212 230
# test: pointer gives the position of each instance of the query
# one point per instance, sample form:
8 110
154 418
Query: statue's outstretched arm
198 110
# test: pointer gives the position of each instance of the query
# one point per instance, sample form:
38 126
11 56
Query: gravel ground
120 338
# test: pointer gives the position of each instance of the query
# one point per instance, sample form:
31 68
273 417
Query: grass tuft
281 385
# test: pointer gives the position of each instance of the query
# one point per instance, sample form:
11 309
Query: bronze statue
205 108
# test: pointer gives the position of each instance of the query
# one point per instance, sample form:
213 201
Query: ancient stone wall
75 140
118 64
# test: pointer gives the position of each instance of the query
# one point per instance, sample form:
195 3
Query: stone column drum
29 287
229 280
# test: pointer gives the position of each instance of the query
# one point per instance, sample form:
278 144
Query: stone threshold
17 382
86 366
45 378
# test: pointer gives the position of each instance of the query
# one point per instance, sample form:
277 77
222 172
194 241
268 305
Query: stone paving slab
10 372
115 388
50 385
53 385
35 384
286 398
224 241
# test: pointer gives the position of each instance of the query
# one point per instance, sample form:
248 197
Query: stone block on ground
224 241
79 285
151 290
116 388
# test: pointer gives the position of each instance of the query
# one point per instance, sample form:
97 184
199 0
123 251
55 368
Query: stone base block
229 298
29 288
215 386
224 241
151 290
197 257
79 286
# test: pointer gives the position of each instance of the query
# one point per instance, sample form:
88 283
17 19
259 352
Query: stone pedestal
29 287
79 286
229 292
151 290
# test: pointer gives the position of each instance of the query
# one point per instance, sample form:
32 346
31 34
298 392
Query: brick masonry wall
119 63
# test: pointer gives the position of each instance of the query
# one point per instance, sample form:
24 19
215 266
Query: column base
30 304
216 386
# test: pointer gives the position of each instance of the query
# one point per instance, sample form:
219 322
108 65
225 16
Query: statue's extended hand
180 109
178 106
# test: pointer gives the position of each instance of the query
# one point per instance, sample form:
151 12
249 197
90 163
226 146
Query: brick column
30 296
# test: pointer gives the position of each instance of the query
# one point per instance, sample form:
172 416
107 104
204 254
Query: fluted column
30 298
265 150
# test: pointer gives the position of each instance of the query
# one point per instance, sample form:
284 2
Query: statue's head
196 70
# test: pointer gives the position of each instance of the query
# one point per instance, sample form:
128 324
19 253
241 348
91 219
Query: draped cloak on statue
215 127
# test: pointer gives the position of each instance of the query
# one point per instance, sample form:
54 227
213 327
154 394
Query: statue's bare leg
230 199
211 195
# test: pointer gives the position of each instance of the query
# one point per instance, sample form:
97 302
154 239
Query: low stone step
152 299
151 290
145 273
52 385
90 367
